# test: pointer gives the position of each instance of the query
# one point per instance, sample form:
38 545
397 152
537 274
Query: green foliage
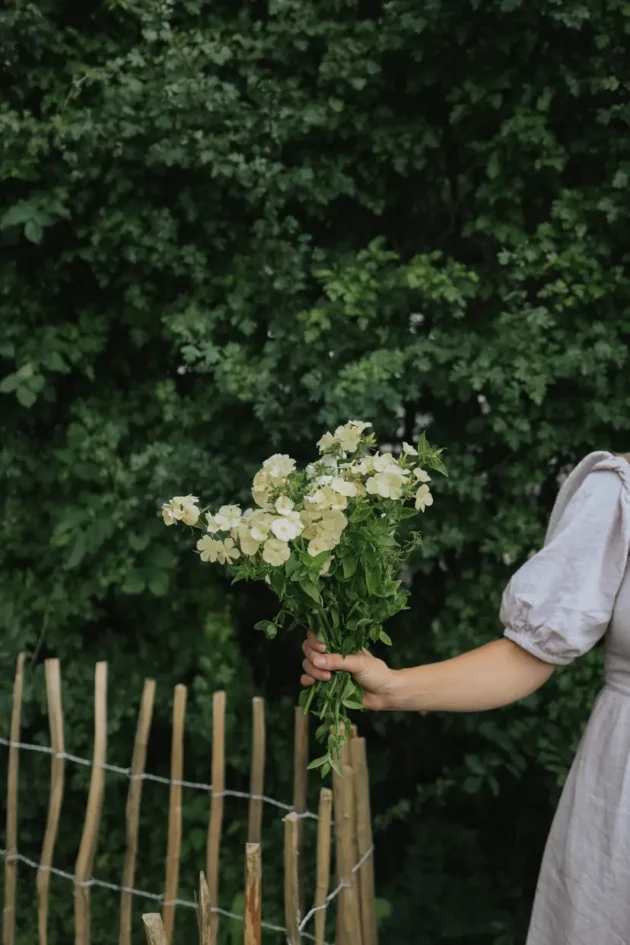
226 226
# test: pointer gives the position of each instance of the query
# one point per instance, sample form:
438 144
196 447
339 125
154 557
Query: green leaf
159 583
385 638
10 383
353 704
318 763
349 565
25 396
33 231
268 627
312 590
134 583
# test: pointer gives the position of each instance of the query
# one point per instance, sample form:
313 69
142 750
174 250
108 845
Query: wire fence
351 843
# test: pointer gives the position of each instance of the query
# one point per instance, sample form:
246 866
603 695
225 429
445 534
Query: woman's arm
485 678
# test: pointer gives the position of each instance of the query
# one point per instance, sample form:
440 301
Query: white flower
311 472
423 498
343 487
275 552
181 508
389 485
207 548
228 516
284 505
409 450
279 466
287 528
317 545
421 475
249 545
326 442
227 552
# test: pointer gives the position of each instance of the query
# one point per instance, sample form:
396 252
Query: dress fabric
558 605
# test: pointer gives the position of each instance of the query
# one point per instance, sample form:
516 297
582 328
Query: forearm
491 676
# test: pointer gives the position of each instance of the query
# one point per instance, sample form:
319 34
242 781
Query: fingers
306 680
334 662
315 644
316 673
313 649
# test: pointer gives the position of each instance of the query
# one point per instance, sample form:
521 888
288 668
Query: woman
556 607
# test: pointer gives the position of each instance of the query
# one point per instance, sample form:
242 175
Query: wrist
404 692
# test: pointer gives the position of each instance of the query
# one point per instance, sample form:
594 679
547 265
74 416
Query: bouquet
327 540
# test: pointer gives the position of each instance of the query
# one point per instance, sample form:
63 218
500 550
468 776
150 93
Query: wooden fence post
348 914
216 808
174 813
253 906
257 779
89 837
204 912
300 784
291 886
132 812
10 863
55 799
364 841
323 863
154 929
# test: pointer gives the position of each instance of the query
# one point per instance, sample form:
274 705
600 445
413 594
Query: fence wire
157 897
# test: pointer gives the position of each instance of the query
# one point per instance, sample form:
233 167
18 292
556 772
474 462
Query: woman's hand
373 675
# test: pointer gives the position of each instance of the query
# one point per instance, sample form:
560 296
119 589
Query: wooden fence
353 892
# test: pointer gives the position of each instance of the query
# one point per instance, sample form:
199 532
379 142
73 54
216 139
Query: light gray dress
557 606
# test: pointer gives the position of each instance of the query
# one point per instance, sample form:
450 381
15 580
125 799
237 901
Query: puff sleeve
558 605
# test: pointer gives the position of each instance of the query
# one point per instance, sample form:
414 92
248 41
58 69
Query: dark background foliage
224 228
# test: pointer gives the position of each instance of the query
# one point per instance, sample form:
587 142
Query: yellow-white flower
279 466
325 568
260 523
348 437
409 450
364 467
207 548
317 545
213 525
287 527
261 487
227 552
168 515
333 523
181 508
326 442
382 462
228 516
284 505
389 485
343 487
275 552
423 498
326 498
249 545
421 475
308 516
